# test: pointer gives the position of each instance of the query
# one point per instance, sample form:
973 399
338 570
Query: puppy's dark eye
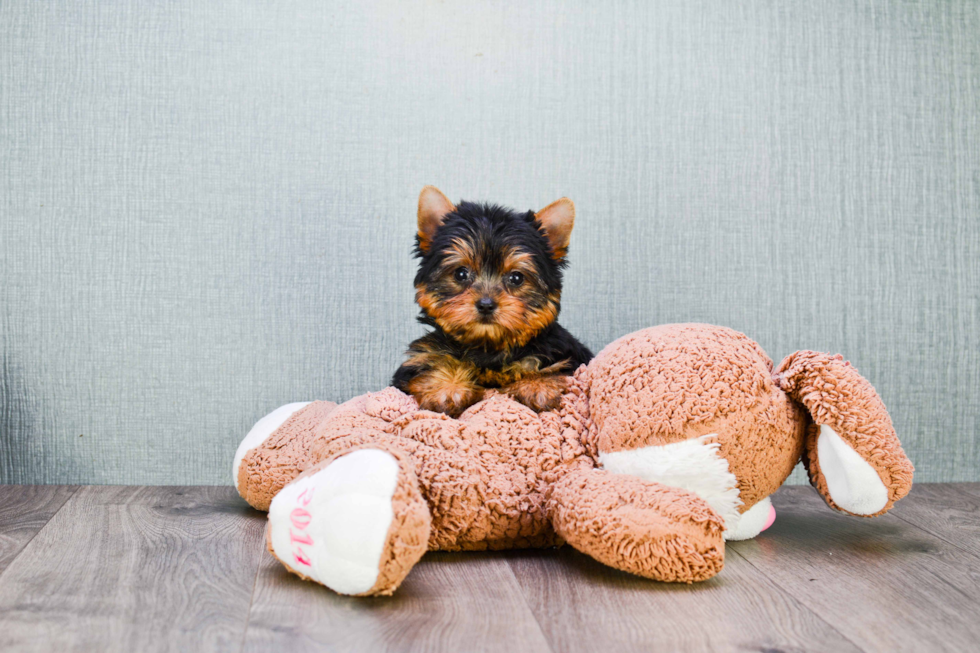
514 279
461 275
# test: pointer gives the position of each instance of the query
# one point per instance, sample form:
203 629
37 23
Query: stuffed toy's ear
851 452
557 220
433 209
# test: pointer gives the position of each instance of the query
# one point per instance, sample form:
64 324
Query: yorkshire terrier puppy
489 285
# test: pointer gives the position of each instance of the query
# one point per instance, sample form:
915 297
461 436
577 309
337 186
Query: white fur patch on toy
692 465
262 430
754 520
852 482
332 526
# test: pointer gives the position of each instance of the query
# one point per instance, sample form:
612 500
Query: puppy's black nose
486 306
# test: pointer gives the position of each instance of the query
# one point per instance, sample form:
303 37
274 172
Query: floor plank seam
938 536
251 602
973 489
74 490
527 605
792 598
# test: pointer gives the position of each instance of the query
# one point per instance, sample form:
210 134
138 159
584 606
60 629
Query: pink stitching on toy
306 496
300 518
299 539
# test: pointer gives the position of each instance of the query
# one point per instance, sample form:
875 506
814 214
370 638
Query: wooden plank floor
185 569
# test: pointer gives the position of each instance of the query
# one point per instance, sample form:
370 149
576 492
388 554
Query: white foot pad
752 522
261 432
332 526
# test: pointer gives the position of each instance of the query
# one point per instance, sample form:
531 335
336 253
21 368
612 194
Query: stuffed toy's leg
370 505
653 530
851 451
355 522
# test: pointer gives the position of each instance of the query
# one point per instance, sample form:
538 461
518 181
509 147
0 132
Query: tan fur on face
517 260
460 254
514 323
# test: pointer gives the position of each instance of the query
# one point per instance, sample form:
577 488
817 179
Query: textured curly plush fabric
673 383
283 456
670 404
645 528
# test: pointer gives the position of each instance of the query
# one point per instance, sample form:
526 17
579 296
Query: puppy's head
490 276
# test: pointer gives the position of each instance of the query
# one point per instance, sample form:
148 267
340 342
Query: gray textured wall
206 208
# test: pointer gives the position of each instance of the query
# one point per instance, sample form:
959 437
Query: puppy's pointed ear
557 220
433 208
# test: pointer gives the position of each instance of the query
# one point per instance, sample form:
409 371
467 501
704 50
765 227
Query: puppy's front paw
449 399
539 393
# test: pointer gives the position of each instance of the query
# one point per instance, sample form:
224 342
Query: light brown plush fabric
283 456
680 381
645 528
502 476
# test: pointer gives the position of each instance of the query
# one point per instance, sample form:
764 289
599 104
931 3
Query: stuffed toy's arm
652 530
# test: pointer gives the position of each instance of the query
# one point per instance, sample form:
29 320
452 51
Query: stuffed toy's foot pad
333 526
753 521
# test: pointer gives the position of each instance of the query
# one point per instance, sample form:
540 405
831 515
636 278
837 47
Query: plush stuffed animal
668 443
